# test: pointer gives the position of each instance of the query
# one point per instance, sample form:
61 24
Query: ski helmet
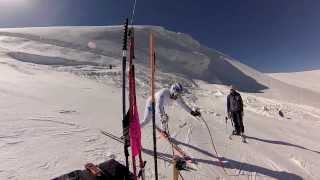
176 89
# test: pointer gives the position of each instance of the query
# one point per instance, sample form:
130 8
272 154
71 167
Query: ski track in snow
53 121
303 164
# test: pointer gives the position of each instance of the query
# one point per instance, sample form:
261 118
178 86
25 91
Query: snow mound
299 79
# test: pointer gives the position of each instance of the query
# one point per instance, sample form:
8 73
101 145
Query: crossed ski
189 163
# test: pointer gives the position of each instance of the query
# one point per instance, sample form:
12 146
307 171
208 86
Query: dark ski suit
235 111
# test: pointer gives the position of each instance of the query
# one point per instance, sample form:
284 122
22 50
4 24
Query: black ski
164 157
114 137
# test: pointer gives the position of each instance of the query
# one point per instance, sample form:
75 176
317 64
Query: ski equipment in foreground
212 143
177 150
187 165
134 122
125 120
110 169
146 151
152 56
179 153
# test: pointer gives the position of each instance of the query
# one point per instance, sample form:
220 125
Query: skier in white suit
165 97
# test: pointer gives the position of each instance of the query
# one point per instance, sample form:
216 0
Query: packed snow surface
304 79
57 92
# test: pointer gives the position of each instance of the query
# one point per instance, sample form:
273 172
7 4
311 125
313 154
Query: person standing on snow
163 98
235 111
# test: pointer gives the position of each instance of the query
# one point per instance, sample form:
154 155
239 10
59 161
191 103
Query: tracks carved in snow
53 121
301 164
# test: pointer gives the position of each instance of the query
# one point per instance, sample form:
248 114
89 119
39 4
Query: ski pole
200 118
226 125
125 123
152 68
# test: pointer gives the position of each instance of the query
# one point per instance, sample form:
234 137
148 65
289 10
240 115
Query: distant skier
163 98
235 111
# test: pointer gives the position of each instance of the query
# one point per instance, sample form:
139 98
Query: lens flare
92 45
9 3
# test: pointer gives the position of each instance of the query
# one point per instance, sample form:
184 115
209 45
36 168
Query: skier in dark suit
235 111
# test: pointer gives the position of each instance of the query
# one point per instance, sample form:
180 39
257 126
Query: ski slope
304 79
57 92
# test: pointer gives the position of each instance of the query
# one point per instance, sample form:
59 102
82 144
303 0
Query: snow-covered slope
177 53
306 79
57 93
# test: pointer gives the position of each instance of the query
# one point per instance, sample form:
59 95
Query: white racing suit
162 99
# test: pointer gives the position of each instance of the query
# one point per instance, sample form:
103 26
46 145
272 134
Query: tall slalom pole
152 67
125 121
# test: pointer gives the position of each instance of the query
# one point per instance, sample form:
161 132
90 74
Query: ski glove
195 113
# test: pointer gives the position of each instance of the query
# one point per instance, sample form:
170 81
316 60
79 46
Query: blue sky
269 35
